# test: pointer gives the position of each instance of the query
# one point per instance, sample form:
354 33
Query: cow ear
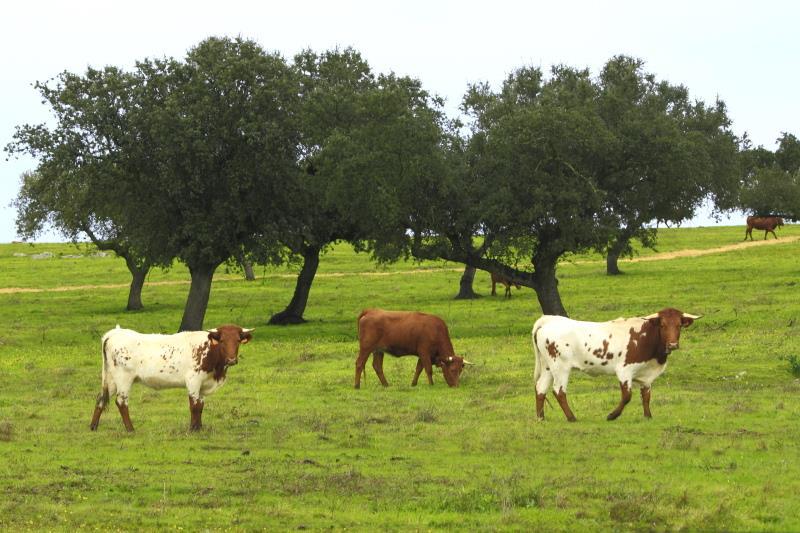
214 336
245 337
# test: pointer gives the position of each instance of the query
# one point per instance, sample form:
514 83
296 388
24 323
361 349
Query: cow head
451 368
228 339
670 321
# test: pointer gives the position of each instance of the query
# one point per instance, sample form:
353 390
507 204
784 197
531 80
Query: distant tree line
234 154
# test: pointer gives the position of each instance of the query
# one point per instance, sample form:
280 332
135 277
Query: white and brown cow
197 360
633 349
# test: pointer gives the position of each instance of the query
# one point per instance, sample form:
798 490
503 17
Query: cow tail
102 398
537 369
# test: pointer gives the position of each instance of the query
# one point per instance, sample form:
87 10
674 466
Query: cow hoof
612 416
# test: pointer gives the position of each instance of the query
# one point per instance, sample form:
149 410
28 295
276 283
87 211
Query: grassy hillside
288 443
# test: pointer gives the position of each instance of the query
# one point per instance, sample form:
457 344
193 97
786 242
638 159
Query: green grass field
289 444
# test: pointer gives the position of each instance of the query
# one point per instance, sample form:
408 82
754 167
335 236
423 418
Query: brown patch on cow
552 349
602 353
213 360
200 354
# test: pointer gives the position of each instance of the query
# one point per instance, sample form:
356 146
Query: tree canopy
771 180
187 156
230 152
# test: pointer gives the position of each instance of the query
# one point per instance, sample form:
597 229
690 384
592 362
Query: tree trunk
293 314
465 291
546 285
197 301
612 269
249 274
138 275
612 256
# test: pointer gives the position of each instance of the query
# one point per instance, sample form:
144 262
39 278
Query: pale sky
746 53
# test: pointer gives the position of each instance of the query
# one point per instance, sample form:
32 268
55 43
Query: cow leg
122 405
426 364
646 401
771 231
494 288
626 397
747 232
377 364
361 362
102 401
123 392
544 382
560 380
417 372
561 397
508 292
196 411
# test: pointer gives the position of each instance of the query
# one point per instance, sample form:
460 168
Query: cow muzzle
231 362
672 346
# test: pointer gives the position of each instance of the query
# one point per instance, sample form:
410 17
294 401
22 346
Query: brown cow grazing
507 283
768 224
406 333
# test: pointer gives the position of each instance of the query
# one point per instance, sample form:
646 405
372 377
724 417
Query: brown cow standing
768 224
406 333
507 283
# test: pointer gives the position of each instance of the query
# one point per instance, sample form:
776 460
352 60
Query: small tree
362 135
188 156
668 154
68 190
220 133
771 180
528 195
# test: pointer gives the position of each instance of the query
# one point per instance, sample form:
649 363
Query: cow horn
212 330
248 330
467 362
450 359
693 317
648 317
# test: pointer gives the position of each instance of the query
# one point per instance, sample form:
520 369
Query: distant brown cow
507 283
768 224
406 333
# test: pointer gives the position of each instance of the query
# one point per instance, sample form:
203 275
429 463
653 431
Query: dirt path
709 251
655 257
